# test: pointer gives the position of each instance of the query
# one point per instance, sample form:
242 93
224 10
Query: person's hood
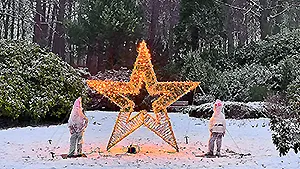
218 106
77 115
77 103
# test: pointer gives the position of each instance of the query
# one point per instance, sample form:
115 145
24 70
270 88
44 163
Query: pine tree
106 31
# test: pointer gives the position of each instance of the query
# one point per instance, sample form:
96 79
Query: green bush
247 83
242 84
293 95
285 134
285 72
34 84
195 68
269 51
283 111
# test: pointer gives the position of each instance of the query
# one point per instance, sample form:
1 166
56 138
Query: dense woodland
243 50
102 34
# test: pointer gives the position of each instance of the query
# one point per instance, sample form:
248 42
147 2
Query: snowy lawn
29 147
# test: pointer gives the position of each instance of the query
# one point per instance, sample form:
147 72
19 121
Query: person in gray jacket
217 128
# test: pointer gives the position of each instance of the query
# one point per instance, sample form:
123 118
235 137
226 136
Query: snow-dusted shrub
254 71
247 83
271 50
285 108
285 72
286 134
280 53
293 94
197 69
241 84
84 72
285 124
35 84
233 110
199 99
123 74
201 111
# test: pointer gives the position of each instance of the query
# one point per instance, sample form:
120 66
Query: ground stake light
117 92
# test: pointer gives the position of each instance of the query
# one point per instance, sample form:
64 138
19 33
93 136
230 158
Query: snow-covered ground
28 147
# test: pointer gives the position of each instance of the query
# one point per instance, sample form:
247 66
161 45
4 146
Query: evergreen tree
200 25
106 31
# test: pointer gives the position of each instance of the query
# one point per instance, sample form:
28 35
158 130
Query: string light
117 92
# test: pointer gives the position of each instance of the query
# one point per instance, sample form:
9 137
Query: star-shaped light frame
117 92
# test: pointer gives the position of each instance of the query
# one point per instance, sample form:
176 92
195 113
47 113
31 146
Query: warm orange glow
143 72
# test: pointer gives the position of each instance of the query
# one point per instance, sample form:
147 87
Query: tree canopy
107 31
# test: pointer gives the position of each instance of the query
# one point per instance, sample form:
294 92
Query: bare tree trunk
278 19
51 25
6 23
59 36
264 19
81 58
44 24
155 6
297 15
229 27
23 14
1 18
71 54
18 29
19 20
12 28
110 56
102 59
91 61
23 29
195 38
37 38
241 24
174 18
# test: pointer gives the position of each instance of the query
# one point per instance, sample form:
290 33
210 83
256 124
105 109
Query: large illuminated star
117 92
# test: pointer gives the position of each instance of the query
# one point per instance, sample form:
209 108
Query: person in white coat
217 128
77 124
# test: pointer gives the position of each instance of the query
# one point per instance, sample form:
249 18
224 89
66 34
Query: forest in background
103 34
